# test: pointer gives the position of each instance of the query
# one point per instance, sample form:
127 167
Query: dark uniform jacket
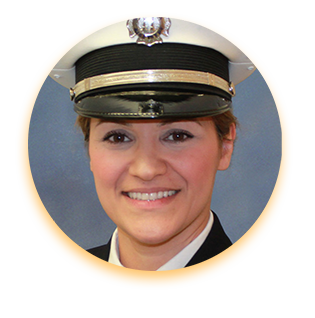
215 243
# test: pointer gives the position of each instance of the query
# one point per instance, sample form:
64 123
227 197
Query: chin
153 237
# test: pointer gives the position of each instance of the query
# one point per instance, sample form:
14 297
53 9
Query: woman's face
155 178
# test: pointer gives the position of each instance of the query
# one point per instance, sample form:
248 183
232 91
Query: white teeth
153 196
150 196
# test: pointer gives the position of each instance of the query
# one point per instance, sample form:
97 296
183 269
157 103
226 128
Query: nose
147 163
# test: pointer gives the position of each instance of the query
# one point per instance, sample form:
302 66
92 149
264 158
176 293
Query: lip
150 190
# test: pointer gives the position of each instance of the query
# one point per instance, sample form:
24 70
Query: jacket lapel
216 242
102 251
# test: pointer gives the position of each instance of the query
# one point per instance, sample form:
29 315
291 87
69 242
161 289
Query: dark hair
222 123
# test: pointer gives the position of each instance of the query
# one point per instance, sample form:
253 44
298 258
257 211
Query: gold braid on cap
151 76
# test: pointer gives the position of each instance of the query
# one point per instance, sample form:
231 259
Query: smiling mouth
152 196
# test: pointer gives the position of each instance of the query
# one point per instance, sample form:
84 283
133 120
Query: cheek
200 166
106 168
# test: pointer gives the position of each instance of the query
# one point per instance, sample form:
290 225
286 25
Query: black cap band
130 57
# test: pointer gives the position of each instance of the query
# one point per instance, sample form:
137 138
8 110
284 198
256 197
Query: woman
154 179
156 115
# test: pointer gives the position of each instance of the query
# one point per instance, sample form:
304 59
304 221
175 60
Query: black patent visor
144 106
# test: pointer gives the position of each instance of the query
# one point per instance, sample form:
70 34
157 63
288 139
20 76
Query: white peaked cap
240 67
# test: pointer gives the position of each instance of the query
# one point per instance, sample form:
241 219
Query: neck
141 256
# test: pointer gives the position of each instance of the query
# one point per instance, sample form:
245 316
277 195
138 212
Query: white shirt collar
178 261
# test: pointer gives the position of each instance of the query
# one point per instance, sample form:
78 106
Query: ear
88 151
227 148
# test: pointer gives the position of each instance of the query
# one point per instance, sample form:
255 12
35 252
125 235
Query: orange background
47 259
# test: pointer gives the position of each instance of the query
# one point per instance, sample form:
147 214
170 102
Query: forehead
156 122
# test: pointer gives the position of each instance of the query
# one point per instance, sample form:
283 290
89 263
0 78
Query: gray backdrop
60 165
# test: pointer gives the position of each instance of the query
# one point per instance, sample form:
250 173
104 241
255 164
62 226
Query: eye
116 137
178 136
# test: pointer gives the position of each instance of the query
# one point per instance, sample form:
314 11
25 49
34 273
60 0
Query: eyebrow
101 121
171 121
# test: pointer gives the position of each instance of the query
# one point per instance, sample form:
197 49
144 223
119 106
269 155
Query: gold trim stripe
152 76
